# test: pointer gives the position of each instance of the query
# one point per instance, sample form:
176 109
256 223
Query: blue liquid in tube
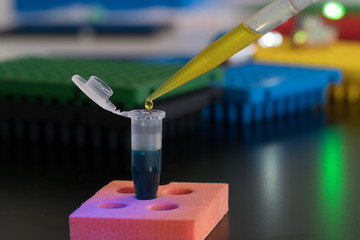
146 169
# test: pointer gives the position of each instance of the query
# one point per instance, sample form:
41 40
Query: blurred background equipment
260 92
279 121
92 15
312 32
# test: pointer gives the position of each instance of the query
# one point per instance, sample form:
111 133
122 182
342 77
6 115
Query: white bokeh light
271 39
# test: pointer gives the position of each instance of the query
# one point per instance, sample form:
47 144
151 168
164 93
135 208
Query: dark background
296 178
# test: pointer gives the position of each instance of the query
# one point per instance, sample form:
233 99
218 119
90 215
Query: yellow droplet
148 104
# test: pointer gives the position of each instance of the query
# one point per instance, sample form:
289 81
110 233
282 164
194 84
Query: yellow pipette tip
149 104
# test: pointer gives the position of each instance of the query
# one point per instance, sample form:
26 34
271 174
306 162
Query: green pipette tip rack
49 79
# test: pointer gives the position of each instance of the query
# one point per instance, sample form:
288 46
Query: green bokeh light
332 184
300 37
334 10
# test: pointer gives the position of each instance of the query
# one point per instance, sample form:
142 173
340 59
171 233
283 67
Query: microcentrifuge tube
146 134
146 138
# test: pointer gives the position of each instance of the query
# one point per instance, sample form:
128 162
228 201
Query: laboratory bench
291 178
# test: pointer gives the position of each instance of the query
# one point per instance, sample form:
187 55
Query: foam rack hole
126 190
179 191
112 205
163 207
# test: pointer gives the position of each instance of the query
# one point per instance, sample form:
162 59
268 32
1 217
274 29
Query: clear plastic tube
146 136
146 132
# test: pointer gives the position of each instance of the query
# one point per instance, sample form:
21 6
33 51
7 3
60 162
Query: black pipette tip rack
91 126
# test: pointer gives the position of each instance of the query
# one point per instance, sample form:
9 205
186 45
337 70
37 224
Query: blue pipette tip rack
257 92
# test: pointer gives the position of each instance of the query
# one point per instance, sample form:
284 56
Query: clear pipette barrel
238 38
146 139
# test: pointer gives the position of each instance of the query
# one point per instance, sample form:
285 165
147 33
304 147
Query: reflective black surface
292 179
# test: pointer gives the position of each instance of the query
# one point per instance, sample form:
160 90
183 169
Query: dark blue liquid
146 168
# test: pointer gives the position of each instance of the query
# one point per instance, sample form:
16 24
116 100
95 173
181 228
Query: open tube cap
98 91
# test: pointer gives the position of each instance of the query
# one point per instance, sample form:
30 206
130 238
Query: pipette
264 20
